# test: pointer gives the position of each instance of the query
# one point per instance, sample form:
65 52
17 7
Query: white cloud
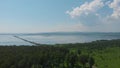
115 5
107 3
91 13
86 8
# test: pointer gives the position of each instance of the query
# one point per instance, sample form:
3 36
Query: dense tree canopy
79 55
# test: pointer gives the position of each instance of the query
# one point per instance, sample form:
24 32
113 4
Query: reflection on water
56 39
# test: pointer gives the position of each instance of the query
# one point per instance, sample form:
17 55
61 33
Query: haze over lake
56 38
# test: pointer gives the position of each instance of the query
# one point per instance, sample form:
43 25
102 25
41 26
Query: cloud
92 13
115 5
86 8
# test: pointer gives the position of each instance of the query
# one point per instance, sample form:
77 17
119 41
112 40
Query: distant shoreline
41 33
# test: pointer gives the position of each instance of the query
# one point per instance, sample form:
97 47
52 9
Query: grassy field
107 58
97 54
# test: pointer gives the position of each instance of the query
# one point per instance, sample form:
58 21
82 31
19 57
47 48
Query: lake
56 38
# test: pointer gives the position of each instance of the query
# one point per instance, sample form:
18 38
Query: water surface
56 38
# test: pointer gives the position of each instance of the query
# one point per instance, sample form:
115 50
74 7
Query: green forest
96 54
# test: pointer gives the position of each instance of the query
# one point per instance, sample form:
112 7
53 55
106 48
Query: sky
33 16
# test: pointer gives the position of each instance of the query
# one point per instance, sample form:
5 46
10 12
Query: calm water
10 40
56 38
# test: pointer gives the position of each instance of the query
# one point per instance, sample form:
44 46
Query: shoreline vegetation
96 54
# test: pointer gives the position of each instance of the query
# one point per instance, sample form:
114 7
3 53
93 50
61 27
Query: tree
91 61
83 60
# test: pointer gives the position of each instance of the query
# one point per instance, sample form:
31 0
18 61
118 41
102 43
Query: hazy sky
23 16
